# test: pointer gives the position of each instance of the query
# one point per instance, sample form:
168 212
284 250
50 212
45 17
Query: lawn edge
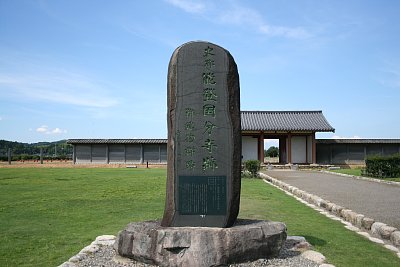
363 178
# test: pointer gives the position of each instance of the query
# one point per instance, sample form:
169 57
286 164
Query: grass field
48 215
357 172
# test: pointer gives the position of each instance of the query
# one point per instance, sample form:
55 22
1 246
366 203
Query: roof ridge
285 121
281 111
373 138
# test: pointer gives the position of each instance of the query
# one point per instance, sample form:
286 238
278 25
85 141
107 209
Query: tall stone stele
204 137
203 183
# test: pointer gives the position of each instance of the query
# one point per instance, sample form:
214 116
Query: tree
273 152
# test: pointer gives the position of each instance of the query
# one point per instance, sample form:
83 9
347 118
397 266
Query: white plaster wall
299 149
249 148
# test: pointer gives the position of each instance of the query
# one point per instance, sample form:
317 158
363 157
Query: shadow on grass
315 241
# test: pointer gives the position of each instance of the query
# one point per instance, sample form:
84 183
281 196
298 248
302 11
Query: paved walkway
375 200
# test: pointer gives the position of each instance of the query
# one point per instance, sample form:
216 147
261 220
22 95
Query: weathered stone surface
367 223
352 228
67 264
386 230
376 240
247 240
204 137
316 200
346 223
294 239
75 258
364 234
395 238
324 204
392 248
351 216
336 209
358 220
297 243
344 213
376 228
104 240
307 197
122 260
329 206
313 256
90 249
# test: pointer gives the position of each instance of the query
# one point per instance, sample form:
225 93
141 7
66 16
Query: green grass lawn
48 215
357 172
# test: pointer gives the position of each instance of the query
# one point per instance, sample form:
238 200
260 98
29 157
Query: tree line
272 152
24 151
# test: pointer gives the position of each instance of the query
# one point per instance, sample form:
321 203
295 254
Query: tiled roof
358 141
251 121
285 121
117 141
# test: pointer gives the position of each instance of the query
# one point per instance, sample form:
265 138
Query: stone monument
204 137
199 227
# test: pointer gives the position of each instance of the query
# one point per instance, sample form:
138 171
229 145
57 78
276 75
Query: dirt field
69 164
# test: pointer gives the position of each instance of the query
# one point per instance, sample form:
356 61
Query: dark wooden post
41 155
289 148
314 149
9 156
261 147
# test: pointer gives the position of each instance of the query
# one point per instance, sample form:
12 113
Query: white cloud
234 14
44 129
64 88
1 118
33 80
296 33
188 5
239 15
58 131
244 16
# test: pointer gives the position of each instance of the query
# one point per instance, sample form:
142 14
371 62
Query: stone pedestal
247 240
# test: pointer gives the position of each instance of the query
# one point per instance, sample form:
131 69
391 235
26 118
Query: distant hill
57 149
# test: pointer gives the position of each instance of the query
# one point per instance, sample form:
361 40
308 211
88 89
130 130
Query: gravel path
375 200
105 256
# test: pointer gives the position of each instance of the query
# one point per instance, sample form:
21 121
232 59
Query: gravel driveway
375 200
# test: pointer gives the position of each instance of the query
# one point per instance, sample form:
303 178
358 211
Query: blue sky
97 69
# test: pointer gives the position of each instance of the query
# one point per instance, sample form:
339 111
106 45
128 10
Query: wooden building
294 129
117 151
354 151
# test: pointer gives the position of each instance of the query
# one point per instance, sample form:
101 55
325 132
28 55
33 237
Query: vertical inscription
209 109
201 195
203 135
193 121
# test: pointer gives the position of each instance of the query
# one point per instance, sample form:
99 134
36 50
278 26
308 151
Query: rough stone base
247 240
